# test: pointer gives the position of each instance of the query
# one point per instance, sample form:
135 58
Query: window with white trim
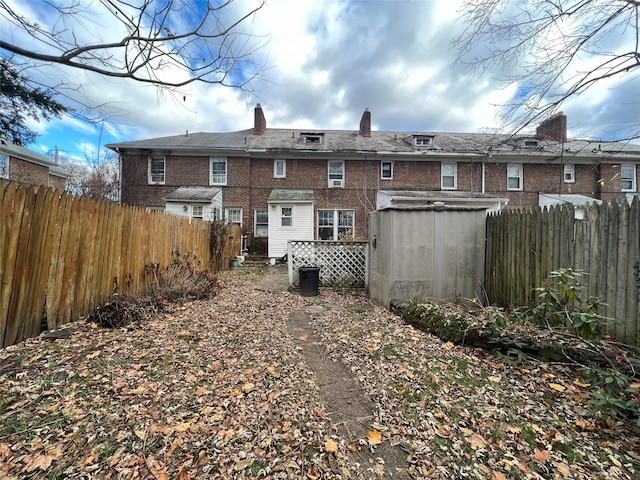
569 173
336 224
449 176
386 170
628 178
312 137
422 140
286 216
279 168
514 176
261 225
233 215
218 171
4 166
336 173
196 211
157 167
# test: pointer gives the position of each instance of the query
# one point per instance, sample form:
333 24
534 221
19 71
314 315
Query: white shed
204 203
290 218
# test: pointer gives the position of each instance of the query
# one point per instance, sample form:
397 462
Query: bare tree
554 49
201 40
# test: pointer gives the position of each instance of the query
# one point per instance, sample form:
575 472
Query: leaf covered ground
219 389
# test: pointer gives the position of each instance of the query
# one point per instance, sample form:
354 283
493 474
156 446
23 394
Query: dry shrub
183 279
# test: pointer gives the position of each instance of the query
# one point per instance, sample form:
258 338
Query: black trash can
309 281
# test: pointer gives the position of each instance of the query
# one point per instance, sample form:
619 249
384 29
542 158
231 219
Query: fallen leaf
331 447
557 387
158 469
542 455
374 437
247 387
497 475
379 469
141 434
563 469
477 441
183 475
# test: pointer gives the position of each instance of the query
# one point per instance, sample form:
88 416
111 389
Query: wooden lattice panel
342 264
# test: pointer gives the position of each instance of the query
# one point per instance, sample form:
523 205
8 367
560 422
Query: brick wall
29 173
249 182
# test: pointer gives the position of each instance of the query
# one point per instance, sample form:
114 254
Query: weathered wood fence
61 255
524 246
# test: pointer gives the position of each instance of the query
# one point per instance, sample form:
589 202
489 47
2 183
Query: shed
432 251
195 202
579 202
290 218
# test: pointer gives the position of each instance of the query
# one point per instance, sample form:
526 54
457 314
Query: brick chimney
365 124
259 122
554 128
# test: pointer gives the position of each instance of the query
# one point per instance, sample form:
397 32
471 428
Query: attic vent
422 140
309 137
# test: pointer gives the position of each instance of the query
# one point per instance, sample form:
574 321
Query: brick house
22 165
320 184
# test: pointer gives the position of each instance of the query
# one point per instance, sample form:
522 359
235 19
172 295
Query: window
569 173
312 137
514 177
449 174
336 174
423 140
279 168
218 171
4 166
335 224
233 215
531 143
157 170
261 228
196 211
386 170
286 216
628 176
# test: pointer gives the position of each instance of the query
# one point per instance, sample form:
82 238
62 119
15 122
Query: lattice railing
342 264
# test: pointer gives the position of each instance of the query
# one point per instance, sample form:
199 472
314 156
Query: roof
23 153
193 194
276 141
418 199
290 195
572 198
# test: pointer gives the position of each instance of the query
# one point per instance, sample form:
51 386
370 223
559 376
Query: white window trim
255 222
275 168
382 177
164 173
633 178
335 226
226 213
281 216
520 177
226 170
571 170
193 211
332 183
423 140
455 176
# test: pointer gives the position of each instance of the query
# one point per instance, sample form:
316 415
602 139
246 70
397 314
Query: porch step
255 260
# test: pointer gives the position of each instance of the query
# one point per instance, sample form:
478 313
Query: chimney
259 122
365 123
554 128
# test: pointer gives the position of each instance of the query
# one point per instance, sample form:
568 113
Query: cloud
324 63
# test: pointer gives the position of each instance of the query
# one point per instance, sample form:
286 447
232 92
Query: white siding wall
302 228
177 208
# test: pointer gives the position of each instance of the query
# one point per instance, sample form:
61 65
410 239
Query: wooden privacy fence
524 246
61 255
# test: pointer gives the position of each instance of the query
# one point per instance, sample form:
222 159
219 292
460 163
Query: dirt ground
260 382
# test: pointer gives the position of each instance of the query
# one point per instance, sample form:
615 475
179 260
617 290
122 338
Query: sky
324 62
